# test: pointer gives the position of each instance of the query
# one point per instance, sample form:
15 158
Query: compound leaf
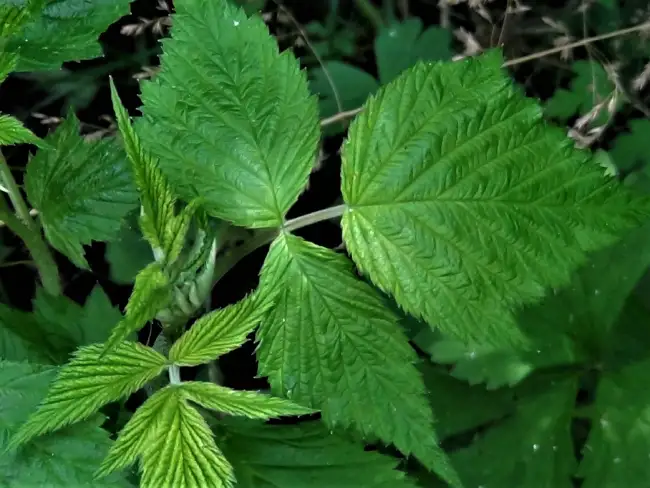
464 204
160 225
81 189
331 343
183 454
616 452
12 131
219 332
89 382
63 30
305 456
531 449
151 293
229 116
59 460
245 403
136 435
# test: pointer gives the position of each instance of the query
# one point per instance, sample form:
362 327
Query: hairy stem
267 236
36 246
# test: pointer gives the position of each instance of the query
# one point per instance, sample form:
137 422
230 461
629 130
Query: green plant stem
370 12
267 236
36 246
22 211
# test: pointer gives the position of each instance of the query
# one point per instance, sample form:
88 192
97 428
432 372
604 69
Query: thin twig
513 62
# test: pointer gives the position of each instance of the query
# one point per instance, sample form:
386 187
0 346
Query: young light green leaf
332 343
61 31
245 403
616 452
305 456
12 131
81 189
139 431
89 382
400 45
220 331
464 204
184 453
151 293
229 116
160 225
532 449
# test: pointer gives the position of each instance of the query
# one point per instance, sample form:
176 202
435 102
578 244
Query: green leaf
400 45
460 407
464 204
220 331
631 149
60 460
160 225
590 87
352 85
151 293
127 255
229 117
616 452
8 63
138 432
64 30
332 343
183 453
69 325
89 382
81 189
305 456
12 131
532 449
245 403
21 338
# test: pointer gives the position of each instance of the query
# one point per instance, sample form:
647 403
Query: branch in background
370 12
513 62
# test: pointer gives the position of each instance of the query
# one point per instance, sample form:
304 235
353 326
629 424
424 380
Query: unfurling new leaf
151 293
160 224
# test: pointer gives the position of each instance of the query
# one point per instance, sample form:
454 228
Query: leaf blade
331 343
425 219
257 107
87 383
